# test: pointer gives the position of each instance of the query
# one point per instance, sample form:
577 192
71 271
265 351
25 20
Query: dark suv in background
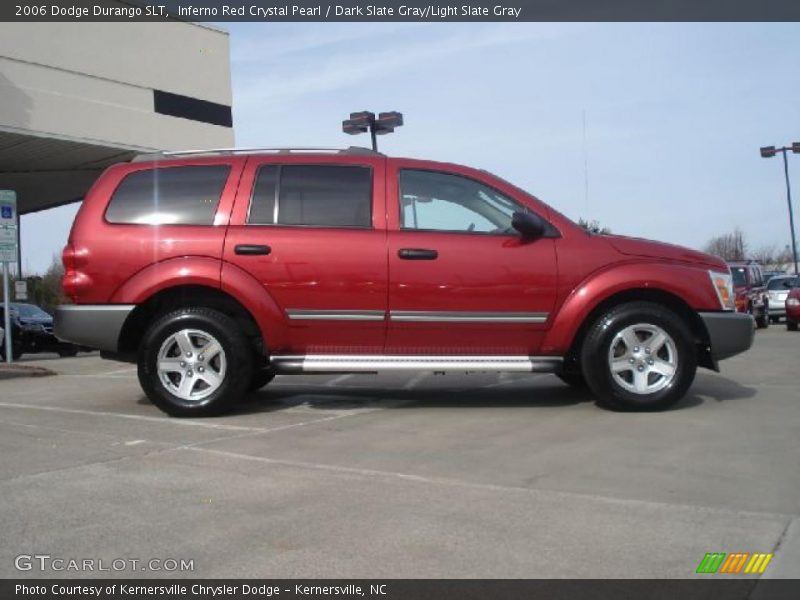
750 290
32 332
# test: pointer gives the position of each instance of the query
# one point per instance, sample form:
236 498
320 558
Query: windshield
29 311
782 283
739 276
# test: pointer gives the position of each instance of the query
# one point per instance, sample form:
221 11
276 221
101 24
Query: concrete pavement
405 476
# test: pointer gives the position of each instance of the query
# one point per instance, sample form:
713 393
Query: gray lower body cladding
729 333
94 325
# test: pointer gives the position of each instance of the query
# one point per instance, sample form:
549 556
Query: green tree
45 290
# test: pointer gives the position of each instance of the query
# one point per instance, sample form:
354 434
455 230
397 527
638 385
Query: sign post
8 254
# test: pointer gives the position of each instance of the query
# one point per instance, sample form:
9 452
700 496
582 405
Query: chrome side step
345 363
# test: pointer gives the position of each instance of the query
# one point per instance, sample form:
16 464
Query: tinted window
445 202
169 196
781 283
312 195
30 311
739 276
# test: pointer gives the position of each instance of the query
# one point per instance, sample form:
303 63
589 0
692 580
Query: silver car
778 288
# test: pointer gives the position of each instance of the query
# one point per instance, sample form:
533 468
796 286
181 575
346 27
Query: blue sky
675 113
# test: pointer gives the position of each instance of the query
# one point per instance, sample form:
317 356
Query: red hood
651 249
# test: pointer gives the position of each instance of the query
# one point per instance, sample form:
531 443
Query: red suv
750 291
217 270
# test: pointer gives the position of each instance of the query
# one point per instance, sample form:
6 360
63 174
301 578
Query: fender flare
212 273
689 284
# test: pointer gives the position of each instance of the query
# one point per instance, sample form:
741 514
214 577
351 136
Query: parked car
32 332
770 274
751 291
217 270
778 289
793 309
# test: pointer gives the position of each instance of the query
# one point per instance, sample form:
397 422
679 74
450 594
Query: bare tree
729 246
593 226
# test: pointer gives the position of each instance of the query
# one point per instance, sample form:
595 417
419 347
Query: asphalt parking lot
405 476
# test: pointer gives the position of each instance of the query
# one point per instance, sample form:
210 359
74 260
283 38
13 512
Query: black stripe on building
186 107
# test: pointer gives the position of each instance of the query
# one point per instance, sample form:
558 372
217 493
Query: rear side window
312 195
781 283
169 196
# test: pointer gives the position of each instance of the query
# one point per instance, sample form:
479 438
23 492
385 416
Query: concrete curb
13 370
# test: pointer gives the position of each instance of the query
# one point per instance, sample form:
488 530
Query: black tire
260 379
235 350
573 379
791 325
598 343
762 321
15 354
68 351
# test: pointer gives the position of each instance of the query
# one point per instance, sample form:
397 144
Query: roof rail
238 151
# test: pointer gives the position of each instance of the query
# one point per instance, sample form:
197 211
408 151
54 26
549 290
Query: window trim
276 208
456 232
119 183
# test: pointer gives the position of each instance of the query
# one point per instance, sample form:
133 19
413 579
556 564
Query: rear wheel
572 378
639 356
194 362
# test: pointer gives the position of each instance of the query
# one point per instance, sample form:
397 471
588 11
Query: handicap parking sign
7 212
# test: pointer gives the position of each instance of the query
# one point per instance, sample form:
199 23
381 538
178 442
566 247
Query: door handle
252 250
417 254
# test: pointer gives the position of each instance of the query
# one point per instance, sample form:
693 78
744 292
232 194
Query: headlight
723 283
793 302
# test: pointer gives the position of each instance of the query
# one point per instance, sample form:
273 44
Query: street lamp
769 152
361 122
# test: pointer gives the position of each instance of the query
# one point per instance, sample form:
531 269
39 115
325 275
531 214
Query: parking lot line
167 420
98 413
459 483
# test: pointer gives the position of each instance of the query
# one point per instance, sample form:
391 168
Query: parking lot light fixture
769 152
364 121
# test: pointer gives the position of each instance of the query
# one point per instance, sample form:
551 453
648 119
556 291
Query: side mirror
529 225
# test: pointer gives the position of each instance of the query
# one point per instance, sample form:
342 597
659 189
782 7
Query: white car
778 289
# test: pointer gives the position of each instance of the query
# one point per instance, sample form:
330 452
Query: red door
461 281
312 231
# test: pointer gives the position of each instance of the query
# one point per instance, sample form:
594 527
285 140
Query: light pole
769 152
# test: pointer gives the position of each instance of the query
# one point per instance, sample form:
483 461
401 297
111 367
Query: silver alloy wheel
643 358
191 364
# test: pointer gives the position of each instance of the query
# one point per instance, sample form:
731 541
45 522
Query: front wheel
640 357
67 351
260 379
791 325
194 362
16 352
762 321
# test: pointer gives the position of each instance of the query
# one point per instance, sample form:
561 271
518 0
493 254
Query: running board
343 363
